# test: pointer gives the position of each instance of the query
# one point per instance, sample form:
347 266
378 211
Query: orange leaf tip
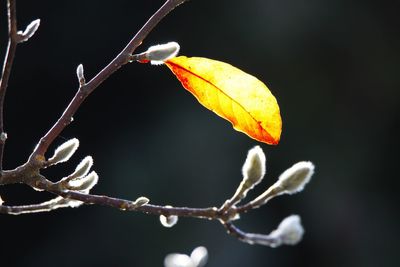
232 94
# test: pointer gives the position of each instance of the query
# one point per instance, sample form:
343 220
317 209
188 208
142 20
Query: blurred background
334 68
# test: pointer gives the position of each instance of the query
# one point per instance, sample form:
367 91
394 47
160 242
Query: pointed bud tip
80 74
289 232
140 201
168 221
254 167
84 184
29 30
64 152
295 178
158 54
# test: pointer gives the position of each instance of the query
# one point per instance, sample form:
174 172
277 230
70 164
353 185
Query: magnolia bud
84 184
295 178
289 232
83 168
253 171
29 30
157 54
290 181
64 152
168 221
140 201
178 260
254 167
80 75
199 256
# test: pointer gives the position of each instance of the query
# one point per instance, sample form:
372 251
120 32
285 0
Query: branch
121 59
73 190
8 62
56 203
14 37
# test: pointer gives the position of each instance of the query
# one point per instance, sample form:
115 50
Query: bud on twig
295 178
3 137
84 184
1 201
29 31
289 232
290 181
80 75
254 167
253 171
158 54
82 169
168 221
140 201
64 152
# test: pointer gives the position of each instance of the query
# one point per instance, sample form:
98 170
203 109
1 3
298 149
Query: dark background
334 68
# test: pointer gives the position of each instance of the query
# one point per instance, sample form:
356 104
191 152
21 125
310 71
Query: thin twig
121 204
250 238
8 62
114 65
128 205
47 206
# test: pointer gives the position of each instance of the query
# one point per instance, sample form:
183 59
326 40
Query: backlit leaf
232 94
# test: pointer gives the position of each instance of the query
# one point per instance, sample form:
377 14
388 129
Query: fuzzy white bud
289 232
178 260
168 221
80 75
29 30
254 167
3 137
84 184
64 152
140 201
290 181
1 201
82 169
253 172
295 178
199 256
158 54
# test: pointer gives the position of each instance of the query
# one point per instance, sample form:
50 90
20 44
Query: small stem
34 208
250 238
120 60
8 62
128 205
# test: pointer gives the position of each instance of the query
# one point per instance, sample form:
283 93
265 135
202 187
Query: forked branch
74 189
84 90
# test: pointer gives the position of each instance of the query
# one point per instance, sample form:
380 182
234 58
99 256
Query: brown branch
47 206
128 205
250 238
121 204
85 90
73 195
7 65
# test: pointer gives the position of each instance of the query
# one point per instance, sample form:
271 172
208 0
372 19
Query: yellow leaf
232 94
